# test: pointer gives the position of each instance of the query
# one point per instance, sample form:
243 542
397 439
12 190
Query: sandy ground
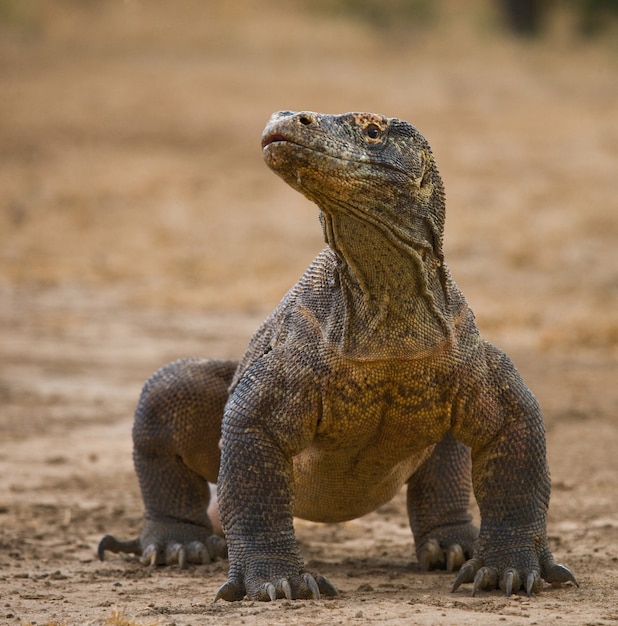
139 224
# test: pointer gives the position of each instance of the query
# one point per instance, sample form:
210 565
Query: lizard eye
372 131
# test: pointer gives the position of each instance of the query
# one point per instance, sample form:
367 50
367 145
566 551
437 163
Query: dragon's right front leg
264 427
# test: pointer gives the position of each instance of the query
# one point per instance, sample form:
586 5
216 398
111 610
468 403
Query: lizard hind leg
175 450
438 499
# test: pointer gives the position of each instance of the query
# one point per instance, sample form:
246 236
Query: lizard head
369 167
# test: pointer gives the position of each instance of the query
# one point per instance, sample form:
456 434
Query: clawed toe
176 553
325 586
533 583
466 574
455 557
197 552
510 582
432 555
485 578
557 574
230 592
152 555
267 592
309 580
111 544
286 589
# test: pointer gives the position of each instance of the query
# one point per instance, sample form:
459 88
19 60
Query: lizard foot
306 586
511 579
167 542
158 553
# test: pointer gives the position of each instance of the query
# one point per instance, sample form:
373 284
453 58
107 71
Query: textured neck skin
383 217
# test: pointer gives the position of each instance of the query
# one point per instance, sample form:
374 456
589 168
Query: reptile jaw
274 138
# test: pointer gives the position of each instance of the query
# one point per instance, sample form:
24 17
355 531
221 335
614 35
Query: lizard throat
395 297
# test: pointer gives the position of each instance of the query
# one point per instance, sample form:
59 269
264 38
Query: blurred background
130 163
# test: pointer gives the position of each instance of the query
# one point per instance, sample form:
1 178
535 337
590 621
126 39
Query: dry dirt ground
139 224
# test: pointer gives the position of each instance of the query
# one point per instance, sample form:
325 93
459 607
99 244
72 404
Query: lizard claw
175 553
287 590
557 574
510 582
325 586
267 592
466 574
197 552
229 592
430 553
153 555
533 582
455 557
182 558
485 578
312 584
113 545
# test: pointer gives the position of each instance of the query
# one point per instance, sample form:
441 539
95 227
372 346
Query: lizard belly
378 424
338 487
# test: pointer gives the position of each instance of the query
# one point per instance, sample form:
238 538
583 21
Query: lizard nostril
305 120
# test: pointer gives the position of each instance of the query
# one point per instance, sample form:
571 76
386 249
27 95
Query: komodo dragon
370 374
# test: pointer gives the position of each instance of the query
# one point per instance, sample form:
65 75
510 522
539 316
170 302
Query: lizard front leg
264 426
175 449
499 418
438 498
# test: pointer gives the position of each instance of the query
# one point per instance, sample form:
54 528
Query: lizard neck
394 287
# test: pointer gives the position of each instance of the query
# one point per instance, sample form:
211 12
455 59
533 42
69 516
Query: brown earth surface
138 224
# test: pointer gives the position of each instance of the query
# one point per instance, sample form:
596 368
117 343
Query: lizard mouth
274 138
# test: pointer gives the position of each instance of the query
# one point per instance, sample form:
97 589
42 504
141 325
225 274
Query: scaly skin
370 374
